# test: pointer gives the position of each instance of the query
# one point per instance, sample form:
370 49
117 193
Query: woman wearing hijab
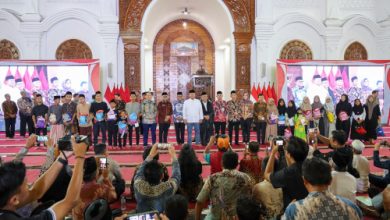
282 117
318 114
330 117
307 111
343 113
373 118
300 123
358 118
272 119
291 112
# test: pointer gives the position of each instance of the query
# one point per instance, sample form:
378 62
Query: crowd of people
120 121
295 180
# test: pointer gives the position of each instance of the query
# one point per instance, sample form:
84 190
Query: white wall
327 27
38 27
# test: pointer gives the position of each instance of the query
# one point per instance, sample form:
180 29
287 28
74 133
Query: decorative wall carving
8 50
134 14
355 51
73 49
296 50
132 64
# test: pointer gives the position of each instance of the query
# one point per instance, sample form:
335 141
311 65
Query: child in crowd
112 117
122 129
300 122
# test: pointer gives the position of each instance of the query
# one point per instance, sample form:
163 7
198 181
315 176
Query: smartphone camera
103 162
142 216
41 138
64 144
162 146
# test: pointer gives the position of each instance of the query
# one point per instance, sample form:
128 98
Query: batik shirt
149 112
234 111
321 206
25 106
355 93
51 93
338 92
299 94
178 111
223 189
246 109
68 111
220 111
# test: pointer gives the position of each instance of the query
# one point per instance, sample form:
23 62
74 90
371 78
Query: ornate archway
355 51
8 50
132 12
178 54
73 49
296 50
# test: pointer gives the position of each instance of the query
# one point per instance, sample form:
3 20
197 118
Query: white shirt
361 164
344 185
192 111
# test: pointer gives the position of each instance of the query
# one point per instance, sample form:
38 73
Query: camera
142 216
103 162
65 144
162 146
41 138
279 141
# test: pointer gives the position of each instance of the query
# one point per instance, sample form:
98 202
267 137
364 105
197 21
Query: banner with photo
48 78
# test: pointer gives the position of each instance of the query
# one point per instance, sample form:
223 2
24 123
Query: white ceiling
212 14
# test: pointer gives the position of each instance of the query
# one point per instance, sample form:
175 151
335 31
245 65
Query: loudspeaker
109 70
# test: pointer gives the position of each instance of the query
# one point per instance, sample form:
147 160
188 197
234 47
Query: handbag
330 117
317 113
343 116
360 130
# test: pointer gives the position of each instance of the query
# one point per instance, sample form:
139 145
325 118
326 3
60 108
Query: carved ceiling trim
8 50
132 12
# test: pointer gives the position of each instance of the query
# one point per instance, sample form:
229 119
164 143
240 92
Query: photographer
91 189
289 178
150 192
14 192
215 159
380 181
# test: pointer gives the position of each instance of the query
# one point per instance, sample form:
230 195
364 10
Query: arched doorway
182 49
355 51
240 12
73 49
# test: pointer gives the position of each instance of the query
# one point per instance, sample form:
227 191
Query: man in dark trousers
164 113
25 105
40 116
206 127
98 112
9 109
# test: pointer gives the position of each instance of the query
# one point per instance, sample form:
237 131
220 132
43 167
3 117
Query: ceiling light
184 24
185 11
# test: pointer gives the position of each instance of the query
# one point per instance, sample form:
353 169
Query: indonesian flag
332 79
323 74
27 80
42 78
258 90
17 74
8 74
269 91
345 78
107 93
254 92
127 94
265 93
274 92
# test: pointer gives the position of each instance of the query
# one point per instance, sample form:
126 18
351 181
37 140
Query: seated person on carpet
343 184
361 164
380 181
223 189
248 209
290 177
15 193
144 156
91 189
320 203
251 163
114 173
191 173
150 191
215 158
